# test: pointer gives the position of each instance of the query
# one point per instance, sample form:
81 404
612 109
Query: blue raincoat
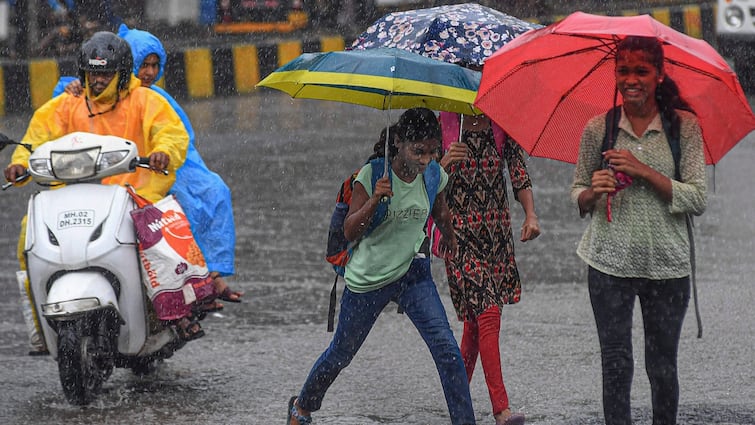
203 194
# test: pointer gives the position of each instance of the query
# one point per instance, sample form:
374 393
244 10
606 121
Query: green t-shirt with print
386 254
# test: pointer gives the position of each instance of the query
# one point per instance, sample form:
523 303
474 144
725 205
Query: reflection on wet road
284 161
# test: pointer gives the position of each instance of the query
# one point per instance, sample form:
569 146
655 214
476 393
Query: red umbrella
543 86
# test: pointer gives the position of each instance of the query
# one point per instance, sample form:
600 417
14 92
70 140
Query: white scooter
83 265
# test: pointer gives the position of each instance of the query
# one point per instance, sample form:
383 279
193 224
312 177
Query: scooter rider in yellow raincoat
115 103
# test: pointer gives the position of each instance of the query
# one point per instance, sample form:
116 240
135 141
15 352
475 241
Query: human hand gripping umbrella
622 181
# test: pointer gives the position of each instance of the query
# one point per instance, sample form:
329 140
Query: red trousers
481 336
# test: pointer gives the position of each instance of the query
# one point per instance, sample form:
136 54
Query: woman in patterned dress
482 276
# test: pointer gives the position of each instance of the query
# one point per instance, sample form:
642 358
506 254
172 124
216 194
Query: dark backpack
339 249
673 135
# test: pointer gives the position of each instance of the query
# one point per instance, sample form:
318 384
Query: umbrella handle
384 199
461 126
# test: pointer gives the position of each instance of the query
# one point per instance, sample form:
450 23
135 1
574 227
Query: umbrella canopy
462 33
384 78
544 86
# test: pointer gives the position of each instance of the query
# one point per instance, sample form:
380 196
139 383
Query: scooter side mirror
5 141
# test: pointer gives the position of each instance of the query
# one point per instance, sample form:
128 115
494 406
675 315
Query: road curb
235 67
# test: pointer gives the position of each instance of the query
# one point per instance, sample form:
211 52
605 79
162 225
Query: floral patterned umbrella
466 34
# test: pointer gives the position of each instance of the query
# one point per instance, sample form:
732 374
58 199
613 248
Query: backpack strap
332 304
378 169
432 182
673 130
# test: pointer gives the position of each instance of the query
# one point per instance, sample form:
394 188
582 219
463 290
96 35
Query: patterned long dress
484 272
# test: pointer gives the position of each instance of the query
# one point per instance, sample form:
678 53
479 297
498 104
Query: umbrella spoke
689 67
563 99
587 75
609 54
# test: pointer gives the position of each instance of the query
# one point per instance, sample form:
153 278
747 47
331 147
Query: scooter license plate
75 218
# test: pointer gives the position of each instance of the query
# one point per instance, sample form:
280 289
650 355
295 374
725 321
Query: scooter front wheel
80 376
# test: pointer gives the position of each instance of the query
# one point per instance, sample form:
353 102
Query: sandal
293 413
226 294
209 307
188 328
231 296
514 419
201 310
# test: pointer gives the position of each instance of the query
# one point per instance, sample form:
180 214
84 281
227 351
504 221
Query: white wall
172 12
4 20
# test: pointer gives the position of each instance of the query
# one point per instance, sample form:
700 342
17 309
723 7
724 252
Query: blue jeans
663 304
416 293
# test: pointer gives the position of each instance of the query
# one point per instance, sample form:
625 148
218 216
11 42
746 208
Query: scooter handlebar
5 141
18 179
140 162
143 162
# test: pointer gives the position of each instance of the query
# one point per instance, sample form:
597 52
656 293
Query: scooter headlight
41 167
74 165
109 159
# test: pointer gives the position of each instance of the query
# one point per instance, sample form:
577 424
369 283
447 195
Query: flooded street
284 161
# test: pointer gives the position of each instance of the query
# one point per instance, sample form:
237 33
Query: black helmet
106 52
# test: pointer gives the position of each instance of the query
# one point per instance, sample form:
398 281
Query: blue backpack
339 249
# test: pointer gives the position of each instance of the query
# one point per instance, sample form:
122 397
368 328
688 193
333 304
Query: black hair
414 124
667 92
378 151
418 124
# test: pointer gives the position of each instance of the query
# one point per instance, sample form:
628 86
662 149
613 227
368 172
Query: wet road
284 161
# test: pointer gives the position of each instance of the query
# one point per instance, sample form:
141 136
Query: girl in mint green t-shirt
391 264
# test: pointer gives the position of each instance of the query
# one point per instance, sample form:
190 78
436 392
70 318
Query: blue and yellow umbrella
384 78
